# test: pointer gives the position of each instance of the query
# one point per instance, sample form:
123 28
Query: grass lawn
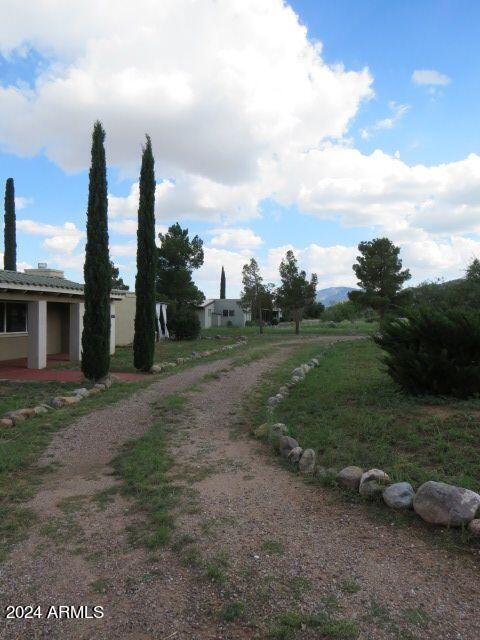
350 412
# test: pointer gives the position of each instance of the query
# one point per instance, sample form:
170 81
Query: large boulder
445 504
298 373
56 403
373 482
262 430
399 495
350 477
286 444
295 455
82 392
474 527
278 429
307 462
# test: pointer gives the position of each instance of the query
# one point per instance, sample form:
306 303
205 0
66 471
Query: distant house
222 312
41 314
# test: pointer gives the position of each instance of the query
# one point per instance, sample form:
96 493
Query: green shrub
183 323
432 352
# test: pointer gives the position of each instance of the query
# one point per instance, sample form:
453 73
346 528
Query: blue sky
264 138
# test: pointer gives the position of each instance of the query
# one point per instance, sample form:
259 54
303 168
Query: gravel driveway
250 538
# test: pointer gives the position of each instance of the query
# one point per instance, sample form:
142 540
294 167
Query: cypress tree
10 250
97 270
222 285
144 338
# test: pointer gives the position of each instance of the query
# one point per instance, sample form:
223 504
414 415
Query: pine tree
222 285
296 292
97 270
380 276
10 250
144 339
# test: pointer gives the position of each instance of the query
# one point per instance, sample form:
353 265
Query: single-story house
222 312
41 314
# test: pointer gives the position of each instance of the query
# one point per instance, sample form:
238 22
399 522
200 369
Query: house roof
14 280
52 282
205 303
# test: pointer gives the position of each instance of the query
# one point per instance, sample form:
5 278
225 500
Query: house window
231 313
13 317
225 313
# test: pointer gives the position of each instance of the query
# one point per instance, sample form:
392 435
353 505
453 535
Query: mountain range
332 295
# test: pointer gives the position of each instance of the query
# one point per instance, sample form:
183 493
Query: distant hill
332 295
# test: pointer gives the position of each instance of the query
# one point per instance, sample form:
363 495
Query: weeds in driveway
142 466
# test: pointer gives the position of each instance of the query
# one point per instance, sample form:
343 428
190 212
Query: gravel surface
258 537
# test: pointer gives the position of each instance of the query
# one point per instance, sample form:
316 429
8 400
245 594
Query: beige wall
57 327
12 347
16 346
125 319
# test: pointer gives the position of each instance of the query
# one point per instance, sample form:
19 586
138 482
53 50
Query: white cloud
397 113
430 77
63 238
379 190
235 238
128 249
21 202
246 85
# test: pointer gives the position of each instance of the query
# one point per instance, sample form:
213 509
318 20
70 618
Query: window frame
3 310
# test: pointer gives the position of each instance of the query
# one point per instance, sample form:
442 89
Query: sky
310 125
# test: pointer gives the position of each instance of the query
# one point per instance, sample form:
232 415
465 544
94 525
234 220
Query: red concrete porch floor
17 370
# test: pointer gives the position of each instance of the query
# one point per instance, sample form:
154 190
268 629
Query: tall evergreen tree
97 270
296 292
222 285
255 295
380 276
10 250
144 338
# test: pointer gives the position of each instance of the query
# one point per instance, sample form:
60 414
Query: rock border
434 502
195 355
13 418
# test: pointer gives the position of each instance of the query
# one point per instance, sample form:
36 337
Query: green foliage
458 294
145 321
178 257
116 281
97 269
255 295
183 322
472 272
10 245
380 276
348 310
296 292
314 310
433 352
222 285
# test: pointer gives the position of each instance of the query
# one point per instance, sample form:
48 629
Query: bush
429 352
183 323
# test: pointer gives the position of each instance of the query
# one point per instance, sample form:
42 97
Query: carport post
37 334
